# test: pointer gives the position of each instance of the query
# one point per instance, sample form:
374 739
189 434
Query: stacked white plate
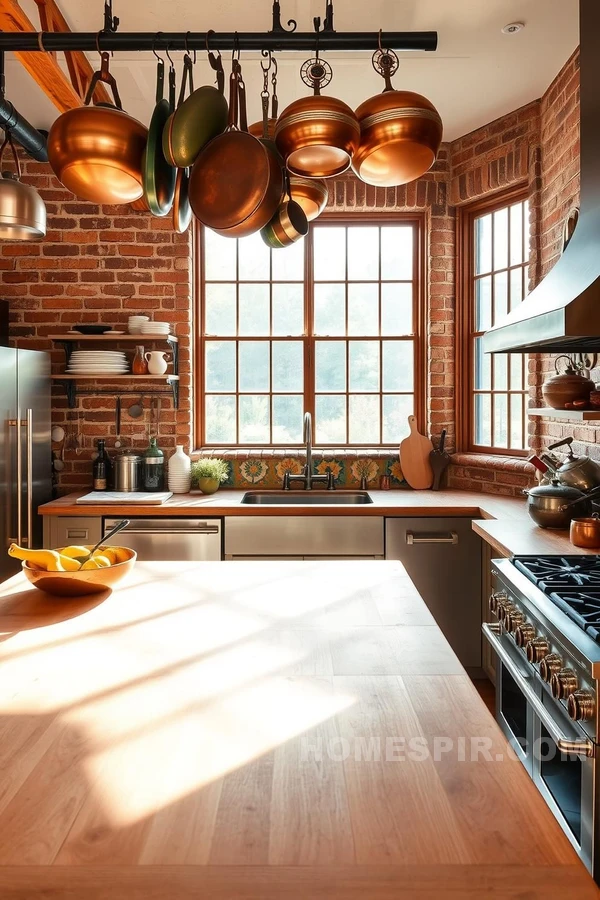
155 328
134 324
98 362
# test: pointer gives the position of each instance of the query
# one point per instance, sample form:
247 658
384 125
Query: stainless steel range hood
562 314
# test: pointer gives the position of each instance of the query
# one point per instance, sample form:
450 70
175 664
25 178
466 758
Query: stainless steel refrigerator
25 449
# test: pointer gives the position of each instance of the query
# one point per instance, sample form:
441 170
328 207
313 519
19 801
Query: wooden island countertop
244 731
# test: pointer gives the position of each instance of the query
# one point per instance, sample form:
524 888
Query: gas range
545 632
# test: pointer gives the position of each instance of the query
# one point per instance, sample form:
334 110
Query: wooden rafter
43 67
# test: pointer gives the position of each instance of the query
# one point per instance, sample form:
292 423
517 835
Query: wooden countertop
227 503
205 731
523 537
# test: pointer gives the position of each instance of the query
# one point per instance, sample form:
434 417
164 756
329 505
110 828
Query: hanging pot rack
279 38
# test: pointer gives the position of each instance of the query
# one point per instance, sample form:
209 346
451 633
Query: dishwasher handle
450 538
162 527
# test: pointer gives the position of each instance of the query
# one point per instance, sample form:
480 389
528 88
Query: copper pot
317 136
585 532
22 210
567 389
96 151
289 223
236 184
400 132
311 194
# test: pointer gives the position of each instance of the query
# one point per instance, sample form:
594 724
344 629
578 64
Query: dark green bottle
154 468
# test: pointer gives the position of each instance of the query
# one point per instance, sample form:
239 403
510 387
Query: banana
103 561
96 562
76 552
49 560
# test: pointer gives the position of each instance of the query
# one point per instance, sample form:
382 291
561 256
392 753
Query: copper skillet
236 183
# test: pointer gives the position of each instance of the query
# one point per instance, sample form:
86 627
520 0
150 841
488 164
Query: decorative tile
253 471
336 466
365 468
288 464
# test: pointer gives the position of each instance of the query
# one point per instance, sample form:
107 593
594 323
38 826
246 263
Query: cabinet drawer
67 530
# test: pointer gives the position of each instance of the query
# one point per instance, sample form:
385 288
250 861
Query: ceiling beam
80 68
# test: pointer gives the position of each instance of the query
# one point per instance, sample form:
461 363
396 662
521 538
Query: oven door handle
566 744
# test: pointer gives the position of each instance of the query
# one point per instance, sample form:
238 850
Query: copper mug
586 532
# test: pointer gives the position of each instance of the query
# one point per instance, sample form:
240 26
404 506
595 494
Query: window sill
489 461
230 453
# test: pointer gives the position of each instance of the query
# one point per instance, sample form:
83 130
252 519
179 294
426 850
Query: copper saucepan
317 135
96 151
585 532
400 132
288 225
236 184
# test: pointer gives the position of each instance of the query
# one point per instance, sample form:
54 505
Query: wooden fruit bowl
76 584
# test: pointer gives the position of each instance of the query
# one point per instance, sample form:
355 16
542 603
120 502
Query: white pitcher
157 361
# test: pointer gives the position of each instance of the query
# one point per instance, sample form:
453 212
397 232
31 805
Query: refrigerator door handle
19 480
29 439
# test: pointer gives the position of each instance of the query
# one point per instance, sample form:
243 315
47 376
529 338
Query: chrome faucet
307 478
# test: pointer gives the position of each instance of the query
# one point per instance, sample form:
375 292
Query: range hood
562 314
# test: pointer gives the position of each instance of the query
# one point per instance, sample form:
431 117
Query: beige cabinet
60 531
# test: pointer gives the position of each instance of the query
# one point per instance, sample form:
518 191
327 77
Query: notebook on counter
136 498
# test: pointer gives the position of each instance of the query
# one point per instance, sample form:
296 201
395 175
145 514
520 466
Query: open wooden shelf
115 338
567 415
108 377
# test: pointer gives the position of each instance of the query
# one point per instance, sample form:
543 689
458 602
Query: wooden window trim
418 220
465 312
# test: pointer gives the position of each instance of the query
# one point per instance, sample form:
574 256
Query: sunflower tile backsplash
266 470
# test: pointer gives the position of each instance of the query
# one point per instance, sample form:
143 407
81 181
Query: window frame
418 221
465 321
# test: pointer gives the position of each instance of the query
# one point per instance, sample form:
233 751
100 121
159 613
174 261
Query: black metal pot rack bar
137 41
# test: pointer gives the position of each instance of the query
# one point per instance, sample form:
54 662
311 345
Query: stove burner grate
551 572
583 607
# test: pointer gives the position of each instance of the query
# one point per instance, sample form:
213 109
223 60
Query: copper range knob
581 705
495 599
513 619
537 649
524 633
563 683
550 665
505 609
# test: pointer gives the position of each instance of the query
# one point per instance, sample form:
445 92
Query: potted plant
208 473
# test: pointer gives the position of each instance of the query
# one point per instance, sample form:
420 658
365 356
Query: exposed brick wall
99 264
539 145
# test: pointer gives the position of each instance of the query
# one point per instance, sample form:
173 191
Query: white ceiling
476 75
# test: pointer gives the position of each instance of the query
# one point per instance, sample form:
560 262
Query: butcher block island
257 731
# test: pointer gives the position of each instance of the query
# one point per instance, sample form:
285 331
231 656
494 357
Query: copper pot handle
216 63
558 359
187 79
105 77
242 101
232 121
8 140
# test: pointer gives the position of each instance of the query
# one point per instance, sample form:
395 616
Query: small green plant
209 467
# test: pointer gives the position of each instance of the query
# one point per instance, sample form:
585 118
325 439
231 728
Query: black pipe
137 41
30 139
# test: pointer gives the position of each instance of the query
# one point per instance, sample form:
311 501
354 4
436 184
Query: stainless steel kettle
579 472
554 505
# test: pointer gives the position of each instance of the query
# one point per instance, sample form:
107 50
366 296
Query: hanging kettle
22 210
400 131
317 136
96 151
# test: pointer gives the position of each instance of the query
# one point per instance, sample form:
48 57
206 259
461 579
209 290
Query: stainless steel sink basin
307 498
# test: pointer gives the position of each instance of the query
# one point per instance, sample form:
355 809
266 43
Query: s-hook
111 23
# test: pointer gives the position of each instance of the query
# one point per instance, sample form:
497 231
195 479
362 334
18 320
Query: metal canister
128 472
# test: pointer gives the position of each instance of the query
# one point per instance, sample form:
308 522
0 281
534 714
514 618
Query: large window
495 268
330 325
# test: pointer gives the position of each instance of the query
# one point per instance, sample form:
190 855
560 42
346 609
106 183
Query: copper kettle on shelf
570 389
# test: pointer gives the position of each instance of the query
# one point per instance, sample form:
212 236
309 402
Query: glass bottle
154 467
139 366
100 469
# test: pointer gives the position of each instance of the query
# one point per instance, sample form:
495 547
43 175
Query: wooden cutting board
414 458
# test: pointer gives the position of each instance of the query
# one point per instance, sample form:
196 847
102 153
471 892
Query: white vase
179 472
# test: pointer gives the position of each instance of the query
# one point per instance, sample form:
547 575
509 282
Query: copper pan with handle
236 184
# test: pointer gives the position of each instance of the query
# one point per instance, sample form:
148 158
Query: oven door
565 780
513 712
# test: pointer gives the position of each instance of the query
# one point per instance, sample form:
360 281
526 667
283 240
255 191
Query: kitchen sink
306 498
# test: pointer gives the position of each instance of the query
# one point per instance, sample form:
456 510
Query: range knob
524 633
581 705
537 649
550 665
495 599
504 610
512 619
563 683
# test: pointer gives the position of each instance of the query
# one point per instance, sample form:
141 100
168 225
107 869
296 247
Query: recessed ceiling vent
562 314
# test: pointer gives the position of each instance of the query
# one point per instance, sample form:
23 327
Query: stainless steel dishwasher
187 540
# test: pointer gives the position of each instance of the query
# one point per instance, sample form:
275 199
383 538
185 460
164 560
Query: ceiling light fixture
513 28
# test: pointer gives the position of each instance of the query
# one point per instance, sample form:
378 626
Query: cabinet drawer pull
451 538
73 533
